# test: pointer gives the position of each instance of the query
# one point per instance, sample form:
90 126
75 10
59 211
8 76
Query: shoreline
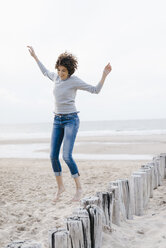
100 147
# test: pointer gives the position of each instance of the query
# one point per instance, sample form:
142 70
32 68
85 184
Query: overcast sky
129 34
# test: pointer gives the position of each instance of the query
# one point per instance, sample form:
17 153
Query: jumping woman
66 120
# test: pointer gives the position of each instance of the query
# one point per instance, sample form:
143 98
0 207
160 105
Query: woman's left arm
81 85
106 71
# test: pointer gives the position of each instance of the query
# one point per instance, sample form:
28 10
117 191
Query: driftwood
24 244
59 238
116 204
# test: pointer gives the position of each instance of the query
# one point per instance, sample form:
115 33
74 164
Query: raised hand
32 52
107 69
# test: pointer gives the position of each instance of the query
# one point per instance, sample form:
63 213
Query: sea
28 131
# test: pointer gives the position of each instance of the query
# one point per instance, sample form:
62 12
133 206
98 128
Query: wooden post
132 195
157 163
106 204
150 167
155 176
92 200
143 175
122 202
83 215
85 229
122 211
124 198
24 244
163 162
148 177
95 214
137 182
74 226
51 237
116 205
59 238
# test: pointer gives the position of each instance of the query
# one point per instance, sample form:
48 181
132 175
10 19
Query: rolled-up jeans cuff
58 173
76 175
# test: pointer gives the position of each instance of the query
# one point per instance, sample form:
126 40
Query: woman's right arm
47 73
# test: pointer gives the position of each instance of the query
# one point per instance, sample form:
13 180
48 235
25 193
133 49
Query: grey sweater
65 90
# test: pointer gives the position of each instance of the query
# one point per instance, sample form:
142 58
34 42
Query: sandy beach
28 187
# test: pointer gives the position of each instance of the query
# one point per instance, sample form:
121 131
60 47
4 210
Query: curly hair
67 60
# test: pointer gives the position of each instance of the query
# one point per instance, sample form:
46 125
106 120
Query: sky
129 34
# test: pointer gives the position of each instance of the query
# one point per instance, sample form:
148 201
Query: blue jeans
65 128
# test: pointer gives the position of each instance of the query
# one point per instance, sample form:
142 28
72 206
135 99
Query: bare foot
77 195
60 191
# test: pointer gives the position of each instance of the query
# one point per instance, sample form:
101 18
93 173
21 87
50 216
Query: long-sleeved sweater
65 90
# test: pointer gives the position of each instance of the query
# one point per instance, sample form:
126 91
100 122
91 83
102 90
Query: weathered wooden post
106 204
161 171
116 204
24 244
163 163
125 196
92 200
125 202
122 212
85 227
83 215
132 195
157 164
137 182
74 226
155 176
147 171
59 238
143 175
150 168
122 205
95 214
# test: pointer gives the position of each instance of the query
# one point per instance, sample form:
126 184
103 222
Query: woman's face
63 72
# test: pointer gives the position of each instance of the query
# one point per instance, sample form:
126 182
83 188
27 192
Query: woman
66 120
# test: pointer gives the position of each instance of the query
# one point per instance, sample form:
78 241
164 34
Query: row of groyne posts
122 199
